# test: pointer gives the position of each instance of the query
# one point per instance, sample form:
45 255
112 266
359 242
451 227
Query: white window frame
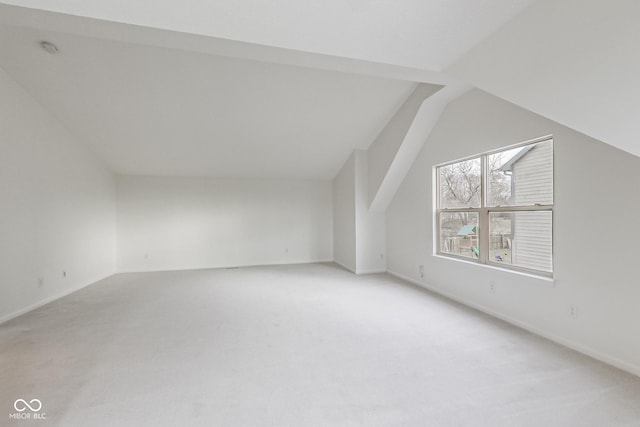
483 212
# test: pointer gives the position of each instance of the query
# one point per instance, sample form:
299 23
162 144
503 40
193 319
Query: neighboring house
531 171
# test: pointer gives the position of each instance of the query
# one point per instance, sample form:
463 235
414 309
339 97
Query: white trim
493 266
497 150
219 267
48 300
359 272
371 271
483 211
344 266
602 357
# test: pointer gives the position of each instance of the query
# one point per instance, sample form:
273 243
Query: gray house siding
532 182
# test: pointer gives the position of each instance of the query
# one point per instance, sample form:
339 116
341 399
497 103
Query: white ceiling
425 34
288 88
236 88
156 111
576 62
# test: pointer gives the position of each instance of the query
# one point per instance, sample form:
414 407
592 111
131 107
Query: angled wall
384 148
595 237
392 154
572 61
370 226
57 220
359 241
344 215
368 180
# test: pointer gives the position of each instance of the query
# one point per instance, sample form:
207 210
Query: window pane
522 239
521 176
460 184
459 233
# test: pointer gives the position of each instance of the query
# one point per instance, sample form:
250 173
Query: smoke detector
49 47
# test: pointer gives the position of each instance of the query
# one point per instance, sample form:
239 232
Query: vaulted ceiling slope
573 61
156 111
425 34
247 88
236 88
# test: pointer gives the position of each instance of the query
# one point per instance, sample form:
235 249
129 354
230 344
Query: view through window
497 208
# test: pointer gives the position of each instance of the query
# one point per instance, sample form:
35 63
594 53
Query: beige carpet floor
303 345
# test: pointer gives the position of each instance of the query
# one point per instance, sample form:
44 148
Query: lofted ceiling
157 111
425 34
247 88
235 88
573 61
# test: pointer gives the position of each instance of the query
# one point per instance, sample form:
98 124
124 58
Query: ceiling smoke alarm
49 47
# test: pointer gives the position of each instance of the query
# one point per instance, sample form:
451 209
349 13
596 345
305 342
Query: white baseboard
358 272
603 357
293 262
344 266
372 271
46 301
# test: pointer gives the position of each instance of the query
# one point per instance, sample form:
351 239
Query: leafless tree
499 181
460 187
460 184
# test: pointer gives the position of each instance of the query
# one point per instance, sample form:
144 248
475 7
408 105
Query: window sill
545 279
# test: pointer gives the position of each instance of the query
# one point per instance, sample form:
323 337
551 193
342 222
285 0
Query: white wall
384 148
185 223
404 152
595 233
358 234
344 215
57 208
370 226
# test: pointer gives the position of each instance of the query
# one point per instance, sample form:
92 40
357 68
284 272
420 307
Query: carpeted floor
303 345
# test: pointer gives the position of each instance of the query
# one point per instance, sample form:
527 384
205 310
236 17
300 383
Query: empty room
336 213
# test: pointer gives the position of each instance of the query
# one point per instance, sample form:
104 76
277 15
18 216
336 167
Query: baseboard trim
48 300
372 271
358 272
602 357
344 266
318 261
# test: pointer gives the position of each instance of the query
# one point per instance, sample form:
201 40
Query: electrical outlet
421 271
573 311
492 286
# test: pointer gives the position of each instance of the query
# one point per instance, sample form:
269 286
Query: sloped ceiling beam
382 151
390 161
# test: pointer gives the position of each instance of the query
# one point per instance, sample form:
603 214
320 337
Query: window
497 208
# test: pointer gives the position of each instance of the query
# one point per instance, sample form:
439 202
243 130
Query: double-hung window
497 208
